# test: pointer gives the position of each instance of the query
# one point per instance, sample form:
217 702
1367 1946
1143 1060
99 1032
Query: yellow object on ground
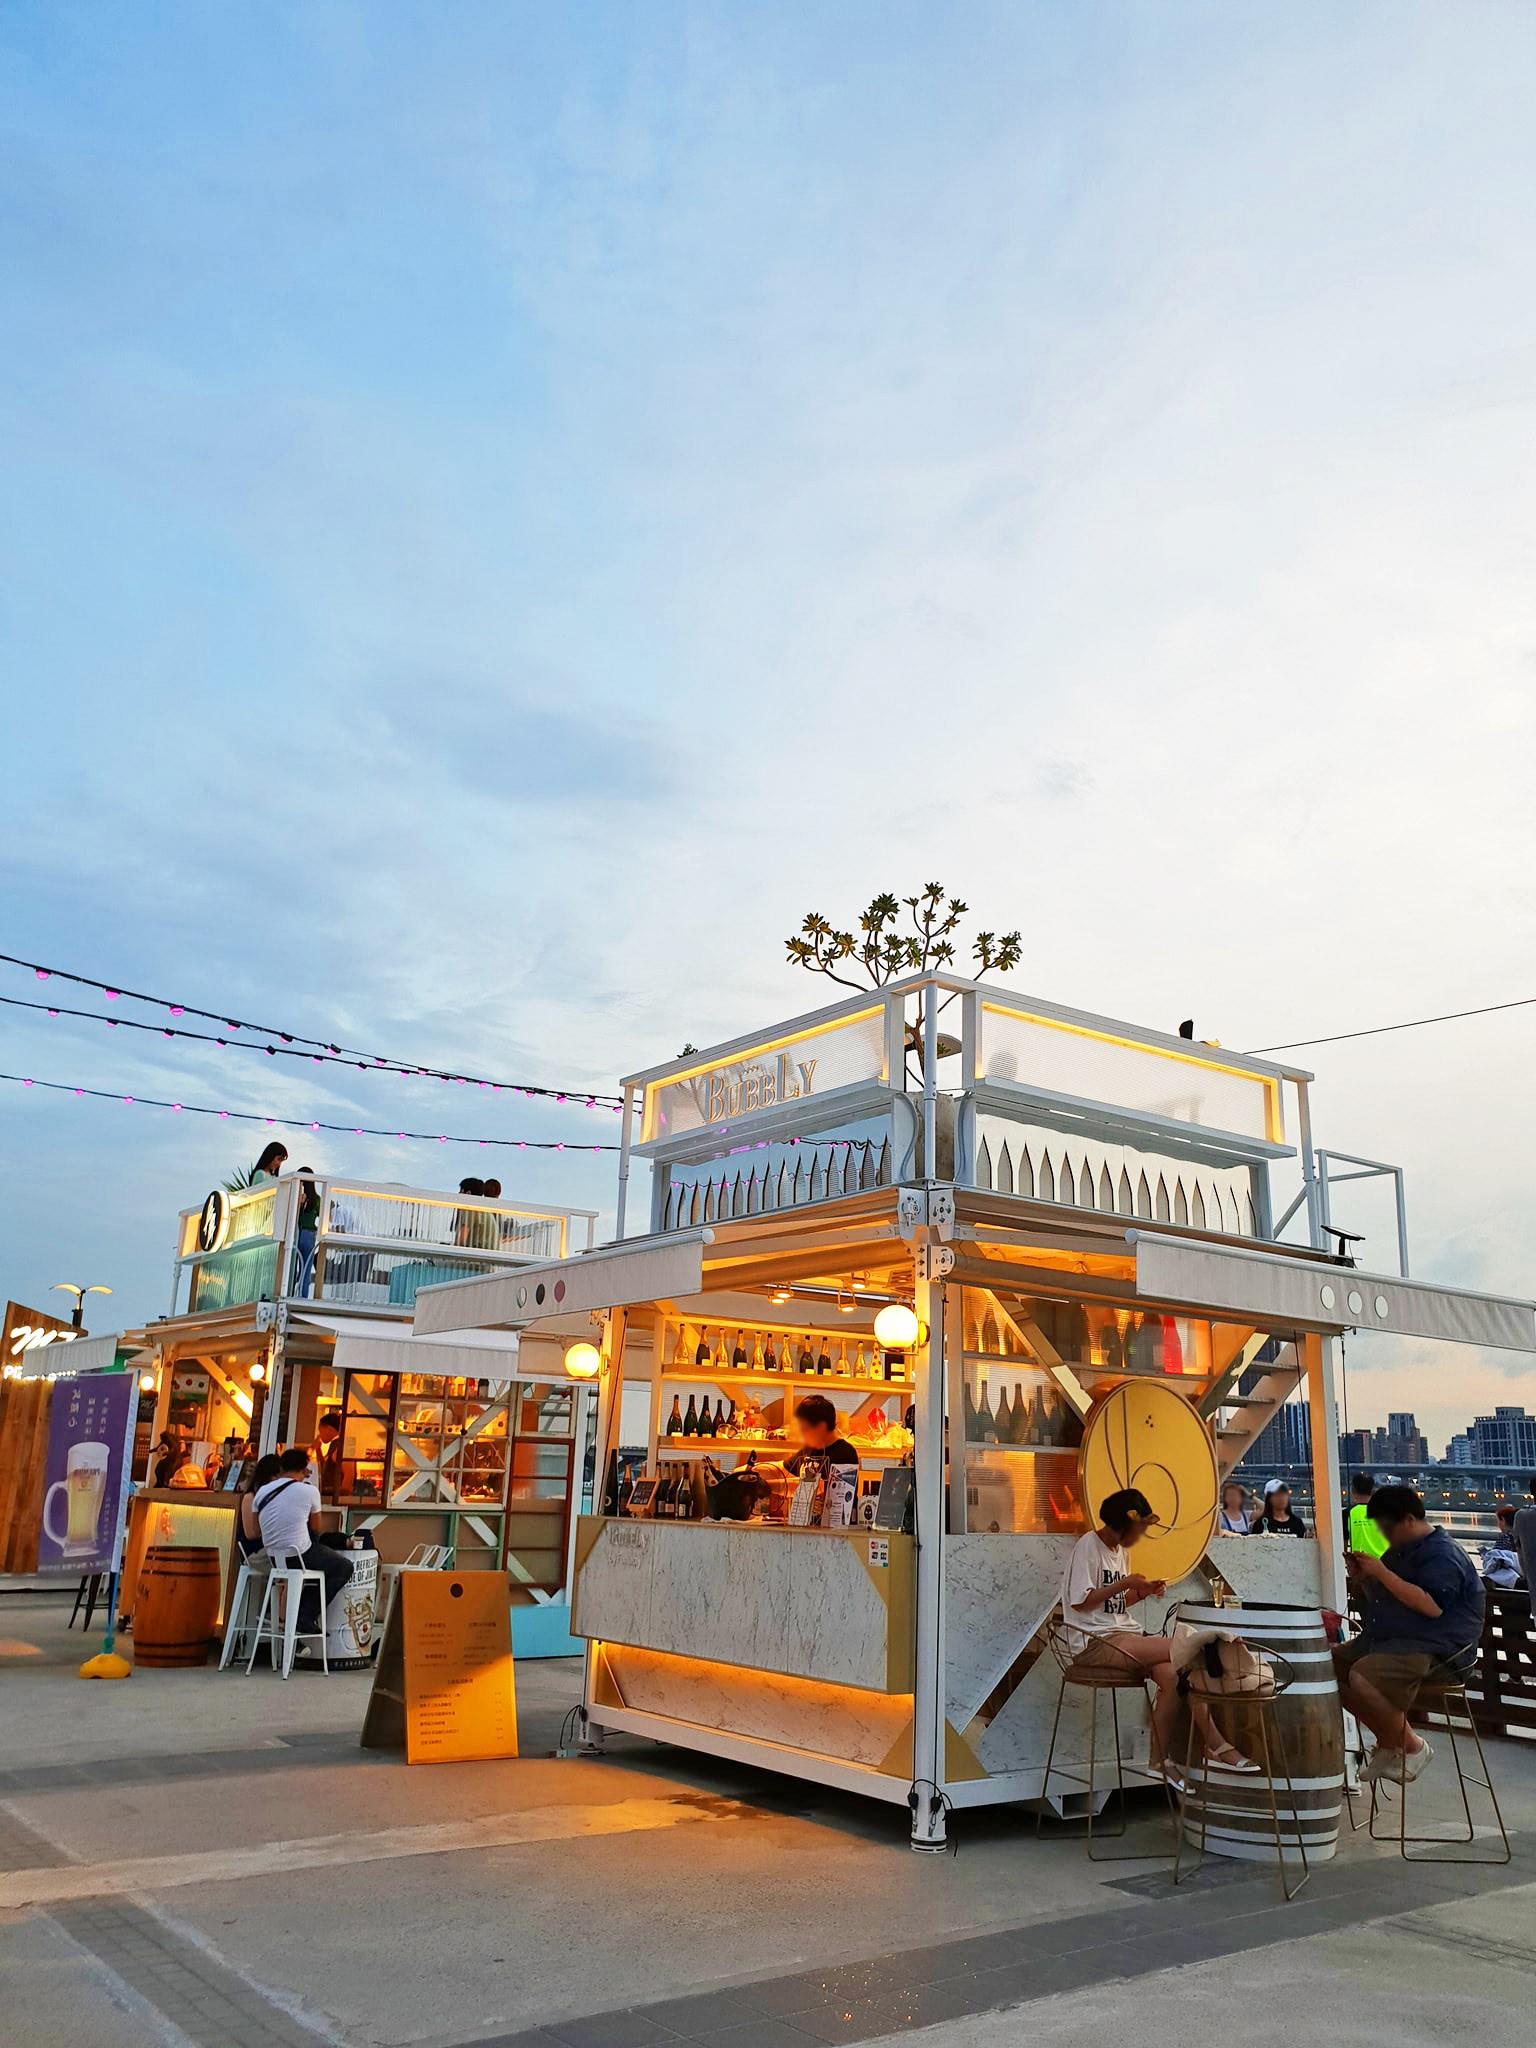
106 1665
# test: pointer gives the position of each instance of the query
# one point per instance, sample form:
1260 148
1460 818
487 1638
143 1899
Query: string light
293 1044
290 1123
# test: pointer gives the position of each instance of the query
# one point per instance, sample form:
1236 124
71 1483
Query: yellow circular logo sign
1147 1435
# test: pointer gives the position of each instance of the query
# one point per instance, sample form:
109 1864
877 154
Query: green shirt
1364 1534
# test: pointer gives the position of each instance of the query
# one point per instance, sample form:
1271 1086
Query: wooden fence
1502 1692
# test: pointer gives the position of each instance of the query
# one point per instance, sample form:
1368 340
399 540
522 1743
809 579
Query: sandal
1229 1759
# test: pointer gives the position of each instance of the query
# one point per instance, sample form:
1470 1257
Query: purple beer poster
89 1420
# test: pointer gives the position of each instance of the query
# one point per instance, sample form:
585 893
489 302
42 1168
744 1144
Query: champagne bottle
824 1361
756 1360
706 1418
739 1355
1035 1429
722 1419
1003 1418
701 1355
860 1364
1018 1415
807 1362
661 1503
770 1357
675 1419
691 1419
677 1346
843 1369
972 1417
985 1420
683 1508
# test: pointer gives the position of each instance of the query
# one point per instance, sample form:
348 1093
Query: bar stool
251 1579
1442 1690
1114 1674
87 1593
277 1624
1261 1702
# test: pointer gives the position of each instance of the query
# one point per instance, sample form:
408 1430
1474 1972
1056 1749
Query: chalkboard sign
893 1510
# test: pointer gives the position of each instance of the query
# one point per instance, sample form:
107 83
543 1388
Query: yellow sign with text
443 1686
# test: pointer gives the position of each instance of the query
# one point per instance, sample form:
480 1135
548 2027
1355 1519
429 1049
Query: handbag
1217 1663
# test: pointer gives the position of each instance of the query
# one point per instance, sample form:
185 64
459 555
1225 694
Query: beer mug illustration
83 1486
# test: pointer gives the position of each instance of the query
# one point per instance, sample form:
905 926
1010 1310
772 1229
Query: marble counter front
829 1604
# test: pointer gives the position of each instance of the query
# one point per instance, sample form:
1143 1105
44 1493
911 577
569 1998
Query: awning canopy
364 1345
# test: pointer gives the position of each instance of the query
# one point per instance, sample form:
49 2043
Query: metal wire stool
1120 1675
1262 1703
1444 1690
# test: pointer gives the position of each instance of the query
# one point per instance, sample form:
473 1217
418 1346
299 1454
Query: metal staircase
1247 1393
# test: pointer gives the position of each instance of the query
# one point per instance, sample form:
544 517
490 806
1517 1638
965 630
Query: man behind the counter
822 1450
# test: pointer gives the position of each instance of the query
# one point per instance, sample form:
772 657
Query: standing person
288 1510
325 1457
1097 1590
1500 1560
1525 1537
1232 1520
1363 1532
1423 1611
167 1456
270 1165
823 1449
307 1230
464 1220
1277 1518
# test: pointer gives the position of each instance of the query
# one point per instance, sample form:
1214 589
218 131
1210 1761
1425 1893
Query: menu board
443 1686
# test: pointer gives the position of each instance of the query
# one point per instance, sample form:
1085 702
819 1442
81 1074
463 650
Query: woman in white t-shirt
1097 1592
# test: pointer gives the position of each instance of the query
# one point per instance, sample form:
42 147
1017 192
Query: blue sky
504 507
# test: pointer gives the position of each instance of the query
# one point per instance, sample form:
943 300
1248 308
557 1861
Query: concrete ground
190 1857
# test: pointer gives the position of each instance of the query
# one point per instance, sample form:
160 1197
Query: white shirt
283 1510
1093 1564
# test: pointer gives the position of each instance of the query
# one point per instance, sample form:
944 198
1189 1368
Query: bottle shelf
738 1447
735 1375
1026 1450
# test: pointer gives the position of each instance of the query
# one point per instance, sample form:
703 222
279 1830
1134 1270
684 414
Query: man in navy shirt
1423 1604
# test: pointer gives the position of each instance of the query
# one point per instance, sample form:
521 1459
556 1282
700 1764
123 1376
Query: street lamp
69 1287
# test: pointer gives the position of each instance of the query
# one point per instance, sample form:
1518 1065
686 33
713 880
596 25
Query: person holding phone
1098 1590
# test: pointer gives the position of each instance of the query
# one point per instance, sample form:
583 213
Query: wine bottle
972 1417
691 1419
860 1364
1035 1428
683 1507
661 1503
985 1421
1110 1346
722 1419
1074 1333
1018 1416
824 1362
701 1355
770 1356
739 1355
843 1369
706 1418
675 1419
807 1362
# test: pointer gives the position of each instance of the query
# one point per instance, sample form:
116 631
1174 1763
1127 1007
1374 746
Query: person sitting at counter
288 1510
1097 1592
248 1526
1423 1612
1276 1518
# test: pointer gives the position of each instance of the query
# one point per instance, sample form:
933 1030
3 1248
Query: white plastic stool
253 1573
280 1629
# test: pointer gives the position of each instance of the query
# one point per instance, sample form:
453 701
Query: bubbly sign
757 1086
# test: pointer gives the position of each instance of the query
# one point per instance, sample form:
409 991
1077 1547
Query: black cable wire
1380 1030
293 1123
318 1047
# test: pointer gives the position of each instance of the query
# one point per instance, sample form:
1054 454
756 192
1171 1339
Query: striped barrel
1306 1727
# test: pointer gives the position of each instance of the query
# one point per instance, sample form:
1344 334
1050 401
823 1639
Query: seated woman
247 1528
1097 1592
1499 1562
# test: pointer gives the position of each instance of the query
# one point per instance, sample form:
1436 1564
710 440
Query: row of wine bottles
1140 1344
1046 1420
698 1421
673 1500
810 1355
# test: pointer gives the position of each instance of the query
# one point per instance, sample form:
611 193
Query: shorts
1100 1654
1396 1674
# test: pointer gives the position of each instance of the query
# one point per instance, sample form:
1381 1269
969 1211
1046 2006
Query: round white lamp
583 1362
897 1327
146 1383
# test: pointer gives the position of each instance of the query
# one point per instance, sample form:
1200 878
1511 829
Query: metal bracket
925 1214
934 1261
272 1315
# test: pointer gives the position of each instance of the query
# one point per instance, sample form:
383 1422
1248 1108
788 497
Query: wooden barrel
1306 1728
176 1605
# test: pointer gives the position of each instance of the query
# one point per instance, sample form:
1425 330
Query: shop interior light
583 1361
897 1327
782 1294
258 1373
146 1383
846 1301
